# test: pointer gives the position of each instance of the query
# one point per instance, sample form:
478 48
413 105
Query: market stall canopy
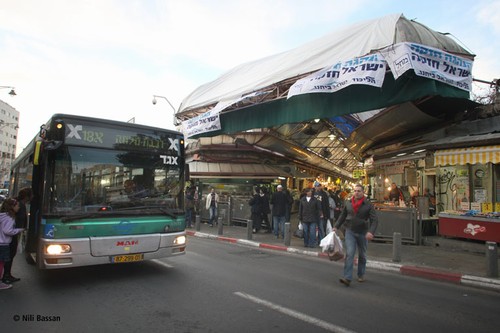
234 170
463 156
257 90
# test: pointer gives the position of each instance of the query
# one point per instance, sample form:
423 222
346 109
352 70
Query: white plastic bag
332 244
329 227
299 233
327 242
337 243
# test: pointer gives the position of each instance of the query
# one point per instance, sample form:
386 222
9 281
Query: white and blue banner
206 122
367 70
429 62
210 120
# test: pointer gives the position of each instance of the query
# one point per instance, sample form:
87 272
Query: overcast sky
107 58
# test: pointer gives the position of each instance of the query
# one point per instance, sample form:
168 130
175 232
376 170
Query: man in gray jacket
360 219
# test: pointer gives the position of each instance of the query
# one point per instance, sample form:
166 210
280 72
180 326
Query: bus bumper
112 249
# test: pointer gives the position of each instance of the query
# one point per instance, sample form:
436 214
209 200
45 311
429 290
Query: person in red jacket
360 219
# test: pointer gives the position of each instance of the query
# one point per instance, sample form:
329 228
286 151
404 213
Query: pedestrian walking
21 221
7 229
266 209
256 210
189 205
322 197
289 205
279 201
338 204
309 214
360 219
211 205
330 222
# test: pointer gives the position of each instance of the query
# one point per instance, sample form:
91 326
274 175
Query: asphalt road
221 287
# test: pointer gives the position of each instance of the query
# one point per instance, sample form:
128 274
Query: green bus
103 192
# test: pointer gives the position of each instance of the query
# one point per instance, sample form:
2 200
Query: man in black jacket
309 215
322 197
279 201
360 219
256 209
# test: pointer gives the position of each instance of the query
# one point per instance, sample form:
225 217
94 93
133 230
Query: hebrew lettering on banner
429 62
367 70
210 120
206 122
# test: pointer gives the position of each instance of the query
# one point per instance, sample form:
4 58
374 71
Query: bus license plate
129 258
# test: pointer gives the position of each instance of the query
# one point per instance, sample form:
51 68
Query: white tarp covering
348 43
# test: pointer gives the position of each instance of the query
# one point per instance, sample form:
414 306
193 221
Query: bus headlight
58 249
180 240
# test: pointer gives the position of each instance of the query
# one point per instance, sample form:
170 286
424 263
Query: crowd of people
320 211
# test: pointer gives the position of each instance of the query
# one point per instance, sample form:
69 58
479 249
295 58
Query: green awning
353 99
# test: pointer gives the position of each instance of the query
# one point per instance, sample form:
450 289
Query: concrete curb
416 271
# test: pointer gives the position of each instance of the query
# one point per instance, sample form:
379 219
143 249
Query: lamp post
12 92
155 101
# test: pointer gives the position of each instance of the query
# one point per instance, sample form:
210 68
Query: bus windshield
89 180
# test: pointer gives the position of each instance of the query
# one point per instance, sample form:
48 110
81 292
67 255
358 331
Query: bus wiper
122 212
169 212
83 216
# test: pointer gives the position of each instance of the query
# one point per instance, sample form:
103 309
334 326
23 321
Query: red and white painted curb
417 271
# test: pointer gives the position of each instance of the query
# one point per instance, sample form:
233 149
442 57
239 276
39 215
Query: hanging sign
358 173
429 62
367 70
210 120
206 122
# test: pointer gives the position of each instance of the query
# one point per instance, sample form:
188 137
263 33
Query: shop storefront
468 192
402 215
235 184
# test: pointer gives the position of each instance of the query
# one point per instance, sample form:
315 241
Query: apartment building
9 126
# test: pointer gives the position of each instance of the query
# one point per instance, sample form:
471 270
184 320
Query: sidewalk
442 259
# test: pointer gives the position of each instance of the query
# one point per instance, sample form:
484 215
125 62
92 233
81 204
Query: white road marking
164 264
298 315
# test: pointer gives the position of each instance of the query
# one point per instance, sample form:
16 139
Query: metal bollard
249 229
492 259
396 247
197 222
219 226
288 234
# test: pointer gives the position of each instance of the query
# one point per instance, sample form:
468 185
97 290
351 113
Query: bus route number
93 137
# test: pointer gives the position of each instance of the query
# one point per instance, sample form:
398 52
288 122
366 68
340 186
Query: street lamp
155 101
12 92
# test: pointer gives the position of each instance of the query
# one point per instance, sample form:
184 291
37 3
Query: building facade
9 126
